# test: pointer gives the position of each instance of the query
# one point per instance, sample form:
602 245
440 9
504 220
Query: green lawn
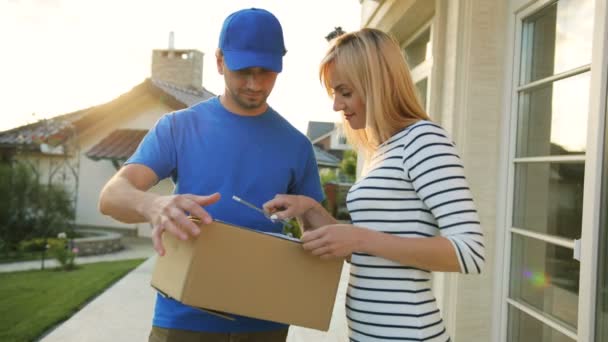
31 302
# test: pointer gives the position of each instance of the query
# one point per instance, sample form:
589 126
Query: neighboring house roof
119 145
186 96
322 137
56 130
317 129
31 136
325 159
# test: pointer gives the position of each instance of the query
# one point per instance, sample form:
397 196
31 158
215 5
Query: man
234 144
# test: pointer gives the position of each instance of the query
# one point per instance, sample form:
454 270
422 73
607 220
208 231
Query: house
521 86
326 161
83 149
329 144
328 136
318 133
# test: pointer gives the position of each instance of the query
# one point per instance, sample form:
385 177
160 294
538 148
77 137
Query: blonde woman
412 211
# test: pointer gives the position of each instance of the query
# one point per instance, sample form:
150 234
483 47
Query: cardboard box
242 271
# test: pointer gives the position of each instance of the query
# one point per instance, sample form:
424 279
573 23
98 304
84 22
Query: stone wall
99 242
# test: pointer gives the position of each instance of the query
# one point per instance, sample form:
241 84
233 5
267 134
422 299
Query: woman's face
347 100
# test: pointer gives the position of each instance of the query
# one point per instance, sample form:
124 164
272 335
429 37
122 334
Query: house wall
95 174
478 70
469 58
325 143
331 141
336 144
48 168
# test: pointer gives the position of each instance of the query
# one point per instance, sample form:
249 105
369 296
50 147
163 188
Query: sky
58 56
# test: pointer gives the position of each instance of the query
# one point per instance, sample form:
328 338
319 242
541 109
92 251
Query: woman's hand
285 207
334 241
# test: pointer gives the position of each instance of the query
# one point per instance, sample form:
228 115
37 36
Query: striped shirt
414 186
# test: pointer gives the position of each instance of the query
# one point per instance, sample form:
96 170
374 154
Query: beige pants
174 335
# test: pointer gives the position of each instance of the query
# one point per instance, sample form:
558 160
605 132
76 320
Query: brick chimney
180 67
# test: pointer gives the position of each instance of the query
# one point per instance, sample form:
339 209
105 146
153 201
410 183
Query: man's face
247 89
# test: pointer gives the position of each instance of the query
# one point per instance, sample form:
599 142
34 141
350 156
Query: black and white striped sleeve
432 163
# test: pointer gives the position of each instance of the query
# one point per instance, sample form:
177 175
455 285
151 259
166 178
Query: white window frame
593 157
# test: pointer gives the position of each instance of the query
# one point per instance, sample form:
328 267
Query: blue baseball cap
252 38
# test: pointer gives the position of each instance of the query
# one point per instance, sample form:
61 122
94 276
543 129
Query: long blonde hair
372 62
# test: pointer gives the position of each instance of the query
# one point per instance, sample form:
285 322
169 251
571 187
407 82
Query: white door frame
593 172
593 175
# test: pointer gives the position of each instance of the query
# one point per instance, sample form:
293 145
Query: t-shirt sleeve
307 181
437 174
157 149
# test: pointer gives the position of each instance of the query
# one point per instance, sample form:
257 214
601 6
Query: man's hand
334 241
126 198
169 213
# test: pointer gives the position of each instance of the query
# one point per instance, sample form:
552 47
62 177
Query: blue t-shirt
207 149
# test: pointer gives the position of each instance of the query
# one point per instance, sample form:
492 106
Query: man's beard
241 101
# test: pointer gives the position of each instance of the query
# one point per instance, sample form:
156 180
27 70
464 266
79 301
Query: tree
337 32
28 208
348 165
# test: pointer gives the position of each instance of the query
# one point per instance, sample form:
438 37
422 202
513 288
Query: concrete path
135 248
124 311
121 313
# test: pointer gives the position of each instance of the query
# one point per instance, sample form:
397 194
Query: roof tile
119 145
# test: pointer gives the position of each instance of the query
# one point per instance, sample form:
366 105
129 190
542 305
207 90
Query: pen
252 206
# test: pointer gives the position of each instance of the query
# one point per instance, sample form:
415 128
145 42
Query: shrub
328 175
293 229
39 244
64 254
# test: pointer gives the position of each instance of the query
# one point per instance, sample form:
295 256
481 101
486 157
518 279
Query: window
418 51
550 135
419 56
422 88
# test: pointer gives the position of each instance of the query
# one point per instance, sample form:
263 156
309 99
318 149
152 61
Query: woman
412 211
